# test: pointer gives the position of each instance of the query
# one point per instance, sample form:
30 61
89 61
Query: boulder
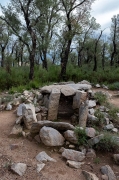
51 137
74 164
43 157
68 91
73 155
61 126
108 171
90 132
70 136
95 139
89 176
19 168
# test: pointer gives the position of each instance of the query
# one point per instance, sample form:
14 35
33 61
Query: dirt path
27 150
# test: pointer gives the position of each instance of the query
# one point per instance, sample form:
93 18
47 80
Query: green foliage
114 86
100 97
107 144
81 136
97 160
113 111
100 117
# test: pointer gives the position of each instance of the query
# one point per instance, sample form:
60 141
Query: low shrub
100 97
81 136
107 144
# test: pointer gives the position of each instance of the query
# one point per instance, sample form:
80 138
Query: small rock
97 85
109 127
104 177
40 167
61 150
91 104
71 146
90 132
70 136
115 130
89 176
9 107
19 168
91 153
14 146
116 158
73 155
74 164
95 140
43 157
37 138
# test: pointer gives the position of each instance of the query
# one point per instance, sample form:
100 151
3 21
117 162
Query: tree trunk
2 56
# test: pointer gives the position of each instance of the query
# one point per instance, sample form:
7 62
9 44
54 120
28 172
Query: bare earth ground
28 149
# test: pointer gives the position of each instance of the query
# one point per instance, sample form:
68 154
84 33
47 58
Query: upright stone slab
79 97
53 104
83 114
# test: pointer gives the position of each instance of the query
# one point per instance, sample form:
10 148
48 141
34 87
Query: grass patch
81 136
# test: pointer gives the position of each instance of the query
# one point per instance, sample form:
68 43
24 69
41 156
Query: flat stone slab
56 125
43 157
68 91
73 155
80 86
19 168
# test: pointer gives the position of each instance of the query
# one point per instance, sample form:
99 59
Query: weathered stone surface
68 91
48 89
84 82
43 157
90 176
79 97
37 138
91 153
95 140
70 136
51 137
92 118
109 127
80 86
39 117
73 155
90 132
91 103
74 164
91 111
19 109
97 85
56 125
19 120
83 114
9 107
19 168
53 104
116 158
108 171
104 177
16 130
40 167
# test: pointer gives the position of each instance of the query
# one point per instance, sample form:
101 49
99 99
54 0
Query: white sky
102 10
